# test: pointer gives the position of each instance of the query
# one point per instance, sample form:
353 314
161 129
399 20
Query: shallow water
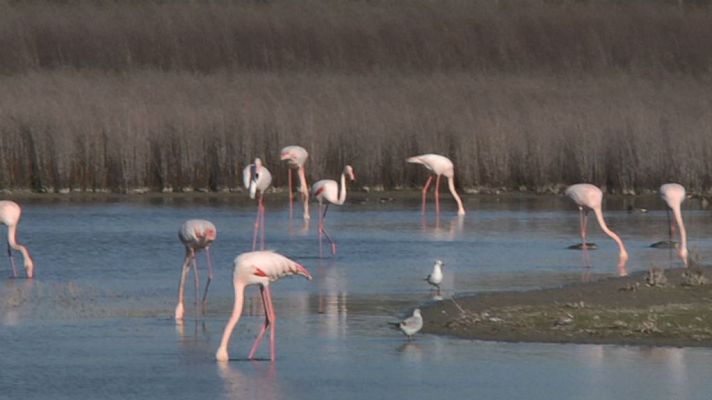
97 322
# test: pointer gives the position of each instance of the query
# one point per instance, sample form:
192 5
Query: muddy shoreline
674 309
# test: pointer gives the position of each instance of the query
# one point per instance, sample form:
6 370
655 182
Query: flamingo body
590 198
440 166
10 213
258 268
673 195
327 191
196 235
257 178
296 157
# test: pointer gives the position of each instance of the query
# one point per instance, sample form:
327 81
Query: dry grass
124 95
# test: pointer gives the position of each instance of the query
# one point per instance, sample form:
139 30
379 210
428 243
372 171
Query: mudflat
671 307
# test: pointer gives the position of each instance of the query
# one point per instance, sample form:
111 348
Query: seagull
411 325
436 277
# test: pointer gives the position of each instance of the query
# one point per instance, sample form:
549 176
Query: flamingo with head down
439 165
10 213
196 235
258 268
673 195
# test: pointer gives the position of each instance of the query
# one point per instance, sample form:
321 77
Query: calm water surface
97 322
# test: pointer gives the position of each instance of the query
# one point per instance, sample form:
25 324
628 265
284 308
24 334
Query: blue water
97 322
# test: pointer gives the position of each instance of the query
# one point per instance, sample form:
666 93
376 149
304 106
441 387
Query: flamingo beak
304 272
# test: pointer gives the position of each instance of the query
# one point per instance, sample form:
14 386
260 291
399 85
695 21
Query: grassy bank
521 95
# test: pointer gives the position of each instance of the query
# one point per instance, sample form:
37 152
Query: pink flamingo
258 268
327 191
196 235
588 197
10 215
257 178
439 165
673 195
296 157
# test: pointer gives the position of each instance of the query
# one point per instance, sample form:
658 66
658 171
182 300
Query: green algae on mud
636 310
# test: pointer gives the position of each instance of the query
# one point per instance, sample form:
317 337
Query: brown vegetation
121 95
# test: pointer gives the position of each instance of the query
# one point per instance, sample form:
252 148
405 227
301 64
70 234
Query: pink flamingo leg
210 274
256 231
425 192
437 195
269 321
273 325
323 231
262 222
12 261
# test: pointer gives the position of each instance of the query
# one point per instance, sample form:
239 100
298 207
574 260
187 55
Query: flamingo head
300 270
349 171
29 267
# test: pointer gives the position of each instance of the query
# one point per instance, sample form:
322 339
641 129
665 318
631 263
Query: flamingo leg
262 221
256 230
210 274
272 324
263 330
12 261
437 195
321 229
425 192
326 235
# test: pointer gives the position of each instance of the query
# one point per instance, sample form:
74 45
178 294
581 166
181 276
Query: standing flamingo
588 197
10 215
673 195
327 191
257 178
440 165
196 235
296 156
258 268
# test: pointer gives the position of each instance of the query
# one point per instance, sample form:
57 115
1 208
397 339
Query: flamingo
411 325
436 277
673 195
588 197
10 213
296 156
258 268
439 165
327 191
257 178
196 235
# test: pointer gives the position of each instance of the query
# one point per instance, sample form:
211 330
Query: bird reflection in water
438 231
250 380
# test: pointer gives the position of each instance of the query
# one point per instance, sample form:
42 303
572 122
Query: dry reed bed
90 130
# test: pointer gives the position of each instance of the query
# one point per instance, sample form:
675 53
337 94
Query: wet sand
641 309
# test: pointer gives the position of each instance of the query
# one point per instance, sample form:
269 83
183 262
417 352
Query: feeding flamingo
258 268
296 157
439 165
328 191
673 195
196 235
257 178
10 213
588 197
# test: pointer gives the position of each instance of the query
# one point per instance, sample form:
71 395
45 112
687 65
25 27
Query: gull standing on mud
296 157
257 178
673 195
258 268
10 213
436 277
411 325
328 191
439 165
196 235
589 197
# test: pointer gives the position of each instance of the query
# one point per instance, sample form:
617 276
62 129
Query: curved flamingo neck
451 185
12 241
683 233
623 255
342 190
221 354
